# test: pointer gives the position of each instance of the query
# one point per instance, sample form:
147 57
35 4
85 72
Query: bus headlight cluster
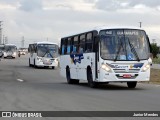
145 68
39 58
14 53
106 68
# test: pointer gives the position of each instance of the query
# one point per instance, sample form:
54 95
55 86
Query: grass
156 60
155 76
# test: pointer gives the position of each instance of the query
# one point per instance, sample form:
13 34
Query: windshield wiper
119 49
133 50
47 51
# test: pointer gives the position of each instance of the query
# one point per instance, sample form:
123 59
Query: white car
22 52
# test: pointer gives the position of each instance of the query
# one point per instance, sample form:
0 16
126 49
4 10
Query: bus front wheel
131 84
35 66
68 76
91 83
30 63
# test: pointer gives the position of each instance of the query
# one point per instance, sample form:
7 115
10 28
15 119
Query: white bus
10 50
106 55
43 54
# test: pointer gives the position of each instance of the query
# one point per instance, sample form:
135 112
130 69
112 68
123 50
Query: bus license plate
127 76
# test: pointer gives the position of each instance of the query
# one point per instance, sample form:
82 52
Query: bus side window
75 46
82 43
65 46
69 46
32 49
89 43
72 45
62 46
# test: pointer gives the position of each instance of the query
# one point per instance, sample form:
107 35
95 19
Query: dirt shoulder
155 76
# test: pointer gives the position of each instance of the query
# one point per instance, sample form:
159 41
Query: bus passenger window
75 46
82 43
69 46
68 49
74 49
64 48
89 43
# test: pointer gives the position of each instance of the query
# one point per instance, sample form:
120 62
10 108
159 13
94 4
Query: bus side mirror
150 59
149 45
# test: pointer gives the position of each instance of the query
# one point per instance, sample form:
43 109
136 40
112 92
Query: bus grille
124 70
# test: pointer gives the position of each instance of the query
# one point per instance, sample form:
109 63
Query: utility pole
140 24
1 32
6 40
3 42
22 42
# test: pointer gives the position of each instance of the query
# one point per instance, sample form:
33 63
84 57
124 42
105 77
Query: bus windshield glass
124 45
1 47
9 48
47 50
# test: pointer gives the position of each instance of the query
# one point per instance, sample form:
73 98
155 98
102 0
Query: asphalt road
23 88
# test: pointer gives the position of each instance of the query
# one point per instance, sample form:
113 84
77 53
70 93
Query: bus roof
117 27
45 42
104 28
10 45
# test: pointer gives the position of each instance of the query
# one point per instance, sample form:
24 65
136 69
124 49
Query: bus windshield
124 44
47 50
1 47
9 48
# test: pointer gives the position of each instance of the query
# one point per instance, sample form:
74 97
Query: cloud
124 4
30 5
149 3
57 18
108 4
8 1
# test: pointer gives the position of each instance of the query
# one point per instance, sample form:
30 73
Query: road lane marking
20 80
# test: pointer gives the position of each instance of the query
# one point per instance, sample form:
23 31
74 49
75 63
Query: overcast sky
38 20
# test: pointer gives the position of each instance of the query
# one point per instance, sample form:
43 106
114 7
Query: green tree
155 50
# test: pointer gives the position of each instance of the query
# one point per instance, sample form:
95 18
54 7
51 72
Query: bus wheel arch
68 76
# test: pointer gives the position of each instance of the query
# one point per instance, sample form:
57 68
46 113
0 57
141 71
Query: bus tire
91 83
53 67
68 76
131 84
34 65
30 63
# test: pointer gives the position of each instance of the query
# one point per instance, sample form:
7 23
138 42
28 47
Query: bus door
96 50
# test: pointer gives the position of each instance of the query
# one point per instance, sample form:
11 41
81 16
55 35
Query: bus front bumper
124 77
42 64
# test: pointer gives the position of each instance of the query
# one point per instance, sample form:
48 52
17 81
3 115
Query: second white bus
43 54
10 50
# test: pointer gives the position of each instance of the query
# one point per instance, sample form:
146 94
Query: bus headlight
14 54
39 58
145 68
106 68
